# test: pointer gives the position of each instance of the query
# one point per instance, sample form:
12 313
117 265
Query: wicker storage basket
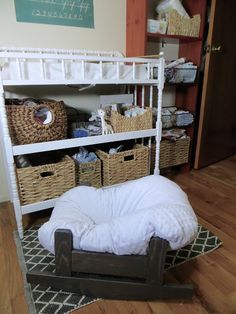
124 166
121 123
178 25
88 173
172 153
44 182
25 129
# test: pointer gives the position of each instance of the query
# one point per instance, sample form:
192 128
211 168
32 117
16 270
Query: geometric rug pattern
47 300
204 243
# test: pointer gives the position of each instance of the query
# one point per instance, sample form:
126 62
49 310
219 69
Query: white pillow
122 219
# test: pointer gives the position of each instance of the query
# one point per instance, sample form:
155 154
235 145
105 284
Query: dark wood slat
63 249
109 264
156 260
111 289
151 267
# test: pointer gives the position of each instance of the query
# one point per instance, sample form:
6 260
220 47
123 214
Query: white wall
108 34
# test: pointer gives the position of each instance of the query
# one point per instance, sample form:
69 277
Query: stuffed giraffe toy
106 128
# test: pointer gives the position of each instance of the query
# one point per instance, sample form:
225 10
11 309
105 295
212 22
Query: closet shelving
138 12
170 39
50 67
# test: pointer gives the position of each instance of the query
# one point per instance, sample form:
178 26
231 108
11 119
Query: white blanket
122 219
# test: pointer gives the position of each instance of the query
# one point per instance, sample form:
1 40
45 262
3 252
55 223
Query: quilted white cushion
122 219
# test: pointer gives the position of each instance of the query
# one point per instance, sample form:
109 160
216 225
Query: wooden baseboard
4 199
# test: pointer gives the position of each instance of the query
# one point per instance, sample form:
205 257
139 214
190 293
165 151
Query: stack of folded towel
171 116
183 118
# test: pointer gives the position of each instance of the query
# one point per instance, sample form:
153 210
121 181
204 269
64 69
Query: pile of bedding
122 219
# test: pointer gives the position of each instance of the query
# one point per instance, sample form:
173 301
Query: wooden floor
212 192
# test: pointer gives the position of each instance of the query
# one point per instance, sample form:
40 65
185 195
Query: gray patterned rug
45 300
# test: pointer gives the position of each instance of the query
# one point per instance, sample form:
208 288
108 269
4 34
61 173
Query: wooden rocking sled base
110 276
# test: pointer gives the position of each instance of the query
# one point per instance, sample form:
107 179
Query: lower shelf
31 208
83 141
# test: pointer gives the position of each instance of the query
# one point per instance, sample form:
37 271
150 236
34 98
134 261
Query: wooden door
217 124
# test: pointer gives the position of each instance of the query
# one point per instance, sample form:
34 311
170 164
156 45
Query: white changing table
31 67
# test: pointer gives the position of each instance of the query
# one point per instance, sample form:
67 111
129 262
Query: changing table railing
67 58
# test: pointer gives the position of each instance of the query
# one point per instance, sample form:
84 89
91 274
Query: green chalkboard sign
59 12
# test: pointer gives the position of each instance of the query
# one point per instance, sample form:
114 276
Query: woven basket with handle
40 183
178 25
121 123
88 173
24 127
124 166
172 153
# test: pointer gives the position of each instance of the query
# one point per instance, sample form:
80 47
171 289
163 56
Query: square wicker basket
178 25
172 153
40 183
124 166
121 123
88 173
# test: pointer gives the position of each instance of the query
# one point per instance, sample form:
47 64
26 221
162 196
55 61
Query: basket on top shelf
181 75
88 173
172 153
183 26
43 182
124 166
122 123
33 121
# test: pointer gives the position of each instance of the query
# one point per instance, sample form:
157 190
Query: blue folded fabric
80 133
84 156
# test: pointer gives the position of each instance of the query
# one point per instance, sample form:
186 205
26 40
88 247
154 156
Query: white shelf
26 209
82 141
